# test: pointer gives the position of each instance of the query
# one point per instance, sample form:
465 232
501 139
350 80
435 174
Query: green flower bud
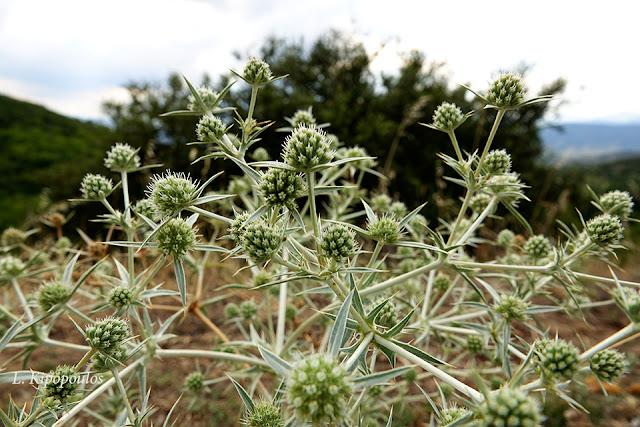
302 117
538 247
479 202
318 389
506 91
210 129
171 193
120 296
605 229
356 151
264 414
497 162
452 414
557 358
338 242
61 384
398 209
475 344
306 148
231 310
209 98
248 310
63 243
261 241
380 203
509 407
281 188
505 238
511 308
261 155
194 382
238 225
146 207
95 187
52 294
122 158
633 306
176 238
257 72
447 117
107 335
618 203
11 266
290 312
608 365
12 236
103 363
387 316
441 282
385 229
411 375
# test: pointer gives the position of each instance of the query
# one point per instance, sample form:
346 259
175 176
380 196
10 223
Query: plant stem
487 146
282 317
456 147
128 230
123 392
217 355
23 300
623 333
364 345
79 314
89 354
382 286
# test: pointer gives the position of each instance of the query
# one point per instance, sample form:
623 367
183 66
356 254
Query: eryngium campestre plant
107 335
498 162
318 389
120 296
52 294
511 308
61 384
506 91
385 229
557 358
306 148
105 362
176 238
122 158
447 117
95 187
238 225
338 242
509 407
281 188
538 247
257 72
302 117
194 382
607 365
208 96
171 193
264 414
11 266
261 241
618 203
12 236
605 229
475 344
451 414
210 129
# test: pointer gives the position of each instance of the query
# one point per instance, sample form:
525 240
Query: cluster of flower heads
176 238
509 407
557 358
338 242
306 148
171 193
259 239
281 188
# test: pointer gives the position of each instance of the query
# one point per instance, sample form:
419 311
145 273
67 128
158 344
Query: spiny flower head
538 247
120 296
633 306
557 358
387 316
442 282
52 294
231 310
145 207
171 193
176 238
257 72
505 238
12 236
618 203
607 365
356 151
95 187
498 162
261 154
447 117
338 242
122 158
194 382
479 202
102 363
210 129
385 229
398 209
261 241
475 344
306 148
380 202
605 229
209 98
238 225
107 335
509 407
61 383
452 414
506 91
511 308
302 117
318 390
281 188
264 414
248 309
506 186
11 266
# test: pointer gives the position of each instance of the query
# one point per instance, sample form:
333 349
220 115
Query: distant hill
38 149
593 142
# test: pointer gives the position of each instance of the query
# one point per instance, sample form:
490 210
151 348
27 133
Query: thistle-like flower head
194 382
281 188
608 365
176 238
261 241
475 344
506 91
248 309
605 229
338 242
107 335
509 407
95 187
511 308
264 414
557 358
538 247
238 225
122 158
257 72
306 148
53 293
12 236
209 98
171 193
451 414
447 117
210 129
497 162
618 203
11 266
302 117
385 229
120 296
61 384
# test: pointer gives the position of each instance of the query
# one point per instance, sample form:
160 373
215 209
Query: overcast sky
71 55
